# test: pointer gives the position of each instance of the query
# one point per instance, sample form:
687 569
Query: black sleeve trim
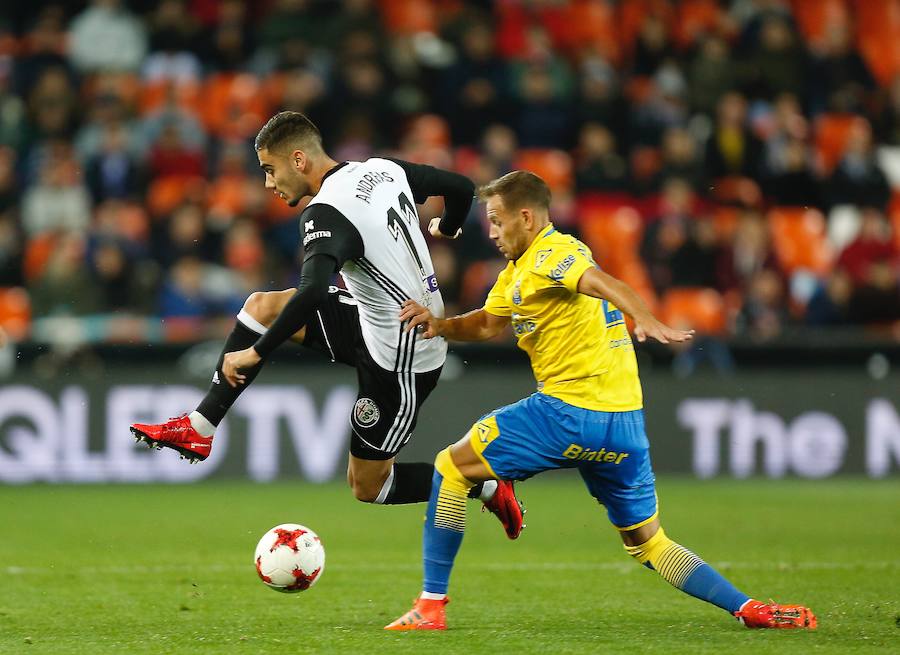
313 288
326 231
457 190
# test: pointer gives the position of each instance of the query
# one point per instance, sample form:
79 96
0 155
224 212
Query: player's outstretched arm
476 325
598 284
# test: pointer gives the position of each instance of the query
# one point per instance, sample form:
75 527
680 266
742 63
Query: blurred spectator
106 36
732 149
171 156
791 180
873 245
599 167
888 118
749 252
114 172
229 43
675 250
174 41
59 201
183 291
543 119
858 179
9 186
114 274
664 106
653 47
473 91
43 48
830 303
777 65
11 243
107 112
711 74
184 235
66 286
52 106
681 159
839 80
599 98
877 300
12 108
763 314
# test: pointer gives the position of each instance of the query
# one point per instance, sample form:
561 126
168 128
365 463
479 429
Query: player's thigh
619 473
265 306
387 409
520 440
334 329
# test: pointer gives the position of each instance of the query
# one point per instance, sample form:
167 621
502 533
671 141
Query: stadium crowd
737 162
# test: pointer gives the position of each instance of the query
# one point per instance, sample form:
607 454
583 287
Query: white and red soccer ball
290 558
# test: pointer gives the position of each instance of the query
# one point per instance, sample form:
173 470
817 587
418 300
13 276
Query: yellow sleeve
496 301
565 266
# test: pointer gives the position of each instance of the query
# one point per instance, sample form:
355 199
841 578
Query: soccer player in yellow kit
587 413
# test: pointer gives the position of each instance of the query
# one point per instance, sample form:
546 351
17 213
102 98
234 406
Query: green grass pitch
141 569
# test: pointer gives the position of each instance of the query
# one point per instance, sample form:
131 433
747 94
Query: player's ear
527 218
298 160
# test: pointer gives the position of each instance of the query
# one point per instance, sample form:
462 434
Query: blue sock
708 584
684 570
445 522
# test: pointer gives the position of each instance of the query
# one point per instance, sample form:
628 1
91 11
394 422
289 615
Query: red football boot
177 434
426 614
506 507
756 614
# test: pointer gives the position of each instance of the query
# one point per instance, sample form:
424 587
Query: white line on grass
620 567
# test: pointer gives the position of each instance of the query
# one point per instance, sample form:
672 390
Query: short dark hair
518 189
288 126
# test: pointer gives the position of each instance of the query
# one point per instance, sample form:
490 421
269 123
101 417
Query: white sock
201 424
427 595
488 489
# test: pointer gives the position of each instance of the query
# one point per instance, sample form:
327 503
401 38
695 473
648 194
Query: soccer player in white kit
362 223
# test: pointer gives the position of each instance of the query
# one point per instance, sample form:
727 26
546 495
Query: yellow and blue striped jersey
579 346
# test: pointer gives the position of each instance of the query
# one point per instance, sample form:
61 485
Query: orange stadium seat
166 193
816 17
878 36
632 14
696 17
612 233
554 166
725 222
697 308
894 211
591 24
831 133
800 240
409 16
157 94
234 104
15 312
37 254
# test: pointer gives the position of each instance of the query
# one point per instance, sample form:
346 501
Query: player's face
508 228
284 174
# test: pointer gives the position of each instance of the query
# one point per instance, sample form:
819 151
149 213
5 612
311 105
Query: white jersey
376 198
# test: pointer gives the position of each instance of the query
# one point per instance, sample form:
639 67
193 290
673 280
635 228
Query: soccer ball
290 558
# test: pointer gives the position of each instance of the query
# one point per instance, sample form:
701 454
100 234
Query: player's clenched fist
418 315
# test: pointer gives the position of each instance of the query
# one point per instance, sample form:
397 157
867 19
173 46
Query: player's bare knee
256 306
